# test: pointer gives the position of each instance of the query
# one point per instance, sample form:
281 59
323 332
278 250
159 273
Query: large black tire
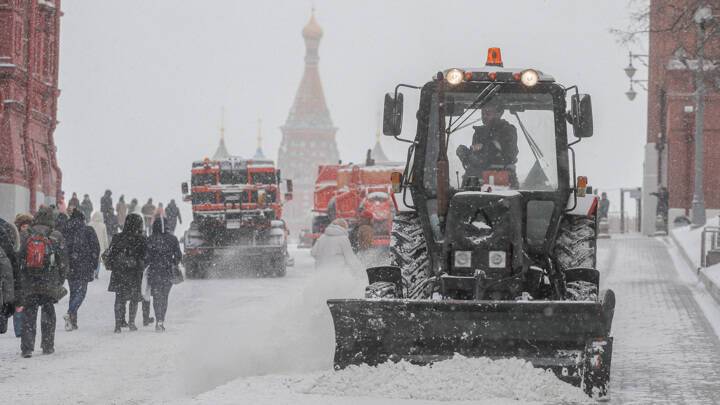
576 246
576 242
409 252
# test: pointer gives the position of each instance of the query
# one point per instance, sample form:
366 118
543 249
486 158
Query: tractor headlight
463 258
496 259
529 77
454 76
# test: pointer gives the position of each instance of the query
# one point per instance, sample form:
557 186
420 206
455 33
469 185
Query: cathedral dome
312 29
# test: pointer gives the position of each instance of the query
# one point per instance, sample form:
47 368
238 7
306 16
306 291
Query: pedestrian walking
40 277
106 207
148 210
74 202
366 233
83 250
121 209
61 220
333 250
125 259
8 241
86 206
98 226
163 258
23 221
133 207
603 206
172 217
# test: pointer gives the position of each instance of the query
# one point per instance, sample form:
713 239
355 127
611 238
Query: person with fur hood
333 250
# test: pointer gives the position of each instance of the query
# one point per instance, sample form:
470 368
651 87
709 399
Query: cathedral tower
308 134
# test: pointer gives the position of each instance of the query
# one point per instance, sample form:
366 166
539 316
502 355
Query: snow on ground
245 340
475 380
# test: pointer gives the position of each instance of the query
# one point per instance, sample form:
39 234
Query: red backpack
37 250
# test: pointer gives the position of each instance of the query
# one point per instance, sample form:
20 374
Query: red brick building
671 109
29 172
308 134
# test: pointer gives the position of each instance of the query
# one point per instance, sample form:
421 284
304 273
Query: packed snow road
269 341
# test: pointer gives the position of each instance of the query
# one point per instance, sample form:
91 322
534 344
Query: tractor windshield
503 141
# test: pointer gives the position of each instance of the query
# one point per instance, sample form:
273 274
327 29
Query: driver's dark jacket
499 148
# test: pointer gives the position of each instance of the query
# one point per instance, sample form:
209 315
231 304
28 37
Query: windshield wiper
539 157
485 95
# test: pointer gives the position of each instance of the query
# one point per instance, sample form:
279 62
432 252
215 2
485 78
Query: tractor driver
494 146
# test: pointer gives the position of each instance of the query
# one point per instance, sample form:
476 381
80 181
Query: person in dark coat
125 260
494 145
41 287
61 221
163 256
83 250
74 202
7 274
86 206
106 207
173 217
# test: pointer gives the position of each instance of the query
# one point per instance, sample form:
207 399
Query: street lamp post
702 16
630 72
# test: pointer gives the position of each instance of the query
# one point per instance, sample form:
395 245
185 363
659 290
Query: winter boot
26 355
132 327
118 325
49 351
73 321
68 322
159 327
148 321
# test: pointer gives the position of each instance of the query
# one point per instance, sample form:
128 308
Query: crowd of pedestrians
40 252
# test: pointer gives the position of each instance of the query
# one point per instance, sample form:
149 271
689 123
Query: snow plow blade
550 334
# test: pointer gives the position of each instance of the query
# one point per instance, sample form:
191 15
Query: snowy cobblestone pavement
665 351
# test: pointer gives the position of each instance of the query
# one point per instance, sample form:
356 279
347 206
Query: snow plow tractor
237 225
494 244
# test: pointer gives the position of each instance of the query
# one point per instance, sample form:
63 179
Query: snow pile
458 379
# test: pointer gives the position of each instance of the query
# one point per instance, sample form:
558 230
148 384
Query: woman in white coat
333 251
98 225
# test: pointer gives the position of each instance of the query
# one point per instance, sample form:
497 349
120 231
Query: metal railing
709 238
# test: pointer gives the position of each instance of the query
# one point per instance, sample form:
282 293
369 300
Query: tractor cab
491 171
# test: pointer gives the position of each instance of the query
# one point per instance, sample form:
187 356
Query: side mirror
392 115
184 188
582 115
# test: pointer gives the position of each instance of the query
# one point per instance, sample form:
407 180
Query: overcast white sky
143 82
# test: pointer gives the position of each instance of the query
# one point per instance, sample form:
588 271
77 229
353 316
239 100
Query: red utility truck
351 191
237 218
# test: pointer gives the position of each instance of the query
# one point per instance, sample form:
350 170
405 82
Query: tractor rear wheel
409 252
